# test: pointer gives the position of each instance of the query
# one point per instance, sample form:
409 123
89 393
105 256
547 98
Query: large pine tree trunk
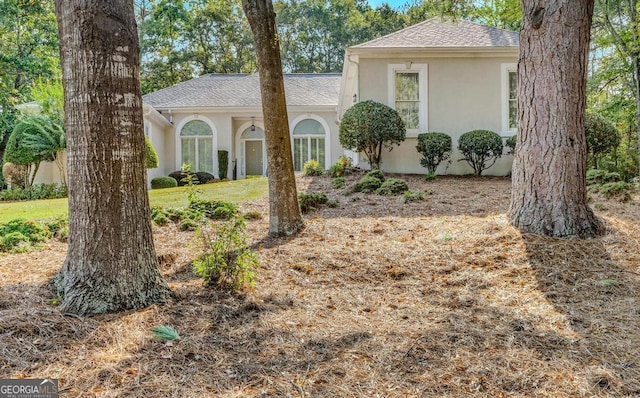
549 186
284 211
111 263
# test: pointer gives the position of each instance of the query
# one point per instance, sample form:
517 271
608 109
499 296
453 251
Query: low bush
430 176
311 201
163 182
252 215
312 168
188 224
481 149
227 261
392 186
377 173
223 211
435 148
412 196
338 182
204 177
367 184
22 233
34 192
618 190
599 176
511 144
223 164
340 168
182 177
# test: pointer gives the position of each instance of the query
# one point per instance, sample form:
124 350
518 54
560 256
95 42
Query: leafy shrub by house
19 231
511 144
435 148
602 136
151 158
312 168
311 201
481 149
370 126
182 177
392 186
163 182
223 211
412 196
223 164
376 174
204 177
340 168
227 261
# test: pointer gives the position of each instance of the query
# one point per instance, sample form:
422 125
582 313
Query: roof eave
387 52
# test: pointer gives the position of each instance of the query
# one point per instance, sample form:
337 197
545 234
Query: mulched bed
376 297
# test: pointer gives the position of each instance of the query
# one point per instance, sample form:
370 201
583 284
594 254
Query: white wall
463 94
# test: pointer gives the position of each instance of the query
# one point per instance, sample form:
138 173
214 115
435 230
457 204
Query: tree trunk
549 170
284 212
111 263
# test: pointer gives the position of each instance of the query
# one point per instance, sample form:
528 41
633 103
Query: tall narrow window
308 143
197 146
408 95
408 98
513 100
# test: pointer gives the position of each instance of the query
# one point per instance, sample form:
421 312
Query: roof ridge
396 32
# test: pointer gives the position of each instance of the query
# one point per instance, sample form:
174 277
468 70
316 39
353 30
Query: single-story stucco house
440 75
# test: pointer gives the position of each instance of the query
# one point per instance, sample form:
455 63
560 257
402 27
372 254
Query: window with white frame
308 143
407 94
509 97
197 146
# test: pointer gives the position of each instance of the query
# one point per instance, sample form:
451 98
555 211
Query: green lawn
230 191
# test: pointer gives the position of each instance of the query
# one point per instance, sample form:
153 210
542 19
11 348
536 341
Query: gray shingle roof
439 33
243 90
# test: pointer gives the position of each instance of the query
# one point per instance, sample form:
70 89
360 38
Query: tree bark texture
111 262
284 212
549 170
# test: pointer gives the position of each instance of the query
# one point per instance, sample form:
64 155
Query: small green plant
340 168
599 176
165 332
370 182
446 236
223 164
481 149
600 206
188 224
511 144
311 201
227 261
435 148
377 173
430 176
312 168
412 196
21 234
163 182
338 182
223 211
13 240
392 186
333 203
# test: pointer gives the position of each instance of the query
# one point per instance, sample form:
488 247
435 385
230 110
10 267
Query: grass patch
229 191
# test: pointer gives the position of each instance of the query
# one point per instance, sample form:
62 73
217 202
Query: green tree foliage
602 136
480 148
151 156
369 126
18 152
435 148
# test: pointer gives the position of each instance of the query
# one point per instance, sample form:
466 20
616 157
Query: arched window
197 146
308 143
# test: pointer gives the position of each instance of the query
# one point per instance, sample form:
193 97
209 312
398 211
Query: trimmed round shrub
204 177
180 176
602 136
435 148
163 182
367 184
481 149
369 126
392 186
376 174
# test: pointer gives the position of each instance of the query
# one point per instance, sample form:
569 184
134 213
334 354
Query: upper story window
197 146
509 97
308 143
408 94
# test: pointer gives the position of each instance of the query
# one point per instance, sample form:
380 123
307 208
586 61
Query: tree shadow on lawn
601 303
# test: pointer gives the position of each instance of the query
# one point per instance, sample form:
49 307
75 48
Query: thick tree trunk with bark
111 262
549 185
284 212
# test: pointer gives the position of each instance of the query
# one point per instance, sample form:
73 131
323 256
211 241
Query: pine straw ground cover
375 298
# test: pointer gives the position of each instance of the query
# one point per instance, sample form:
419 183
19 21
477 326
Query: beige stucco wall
464 93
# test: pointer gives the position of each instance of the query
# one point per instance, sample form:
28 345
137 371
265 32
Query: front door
253 157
